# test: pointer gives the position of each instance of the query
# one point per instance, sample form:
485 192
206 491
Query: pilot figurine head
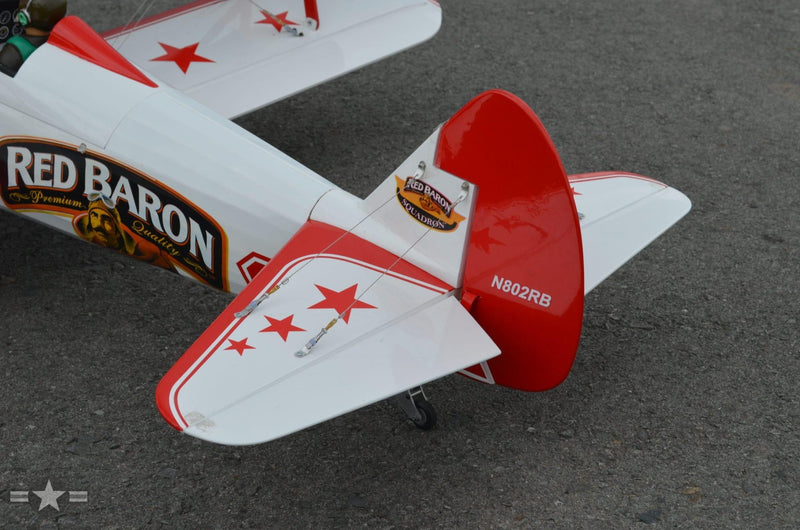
41 15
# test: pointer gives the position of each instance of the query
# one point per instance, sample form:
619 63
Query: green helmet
41 14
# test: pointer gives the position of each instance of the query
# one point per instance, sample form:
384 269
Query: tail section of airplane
540 240
484 204
523 274
472 256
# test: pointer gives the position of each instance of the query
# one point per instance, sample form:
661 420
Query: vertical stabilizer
523 278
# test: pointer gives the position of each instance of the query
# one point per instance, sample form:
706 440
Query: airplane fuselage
184 187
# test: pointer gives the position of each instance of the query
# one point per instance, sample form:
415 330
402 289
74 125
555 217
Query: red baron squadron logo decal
425 204
113 205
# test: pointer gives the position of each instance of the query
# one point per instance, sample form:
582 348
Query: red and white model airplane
473 256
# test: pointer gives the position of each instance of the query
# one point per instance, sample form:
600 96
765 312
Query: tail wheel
427 413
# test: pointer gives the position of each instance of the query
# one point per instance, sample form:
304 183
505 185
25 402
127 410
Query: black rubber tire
428 413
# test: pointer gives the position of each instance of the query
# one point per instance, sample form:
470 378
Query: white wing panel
232 56
621 213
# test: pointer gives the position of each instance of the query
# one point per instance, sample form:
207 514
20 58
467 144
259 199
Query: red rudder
523 279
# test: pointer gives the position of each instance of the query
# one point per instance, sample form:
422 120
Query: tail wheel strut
418 409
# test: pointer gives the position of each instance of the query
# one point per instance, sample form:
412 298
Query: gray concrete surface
681 410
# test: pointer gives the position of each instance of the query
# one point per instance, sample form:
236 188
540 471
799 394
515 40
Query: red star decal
277 21
341 301
281 327
183 57
239 346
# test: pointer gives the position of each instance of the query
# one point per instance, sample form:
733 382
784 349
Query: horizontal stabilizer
244 382
236 56
621 213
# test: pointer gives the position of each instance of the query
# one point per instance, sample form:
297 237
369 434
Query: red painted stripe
604 175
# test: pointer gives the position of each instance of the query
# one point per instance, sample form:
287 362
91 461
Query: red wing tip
162 402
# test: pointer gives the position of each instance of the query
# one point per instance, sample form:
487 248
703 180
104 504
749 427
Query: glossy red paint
311 239
74 36
311 10
524 259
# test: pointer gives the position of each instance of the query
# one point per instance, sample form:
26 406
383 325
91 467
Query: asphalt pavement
681 410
